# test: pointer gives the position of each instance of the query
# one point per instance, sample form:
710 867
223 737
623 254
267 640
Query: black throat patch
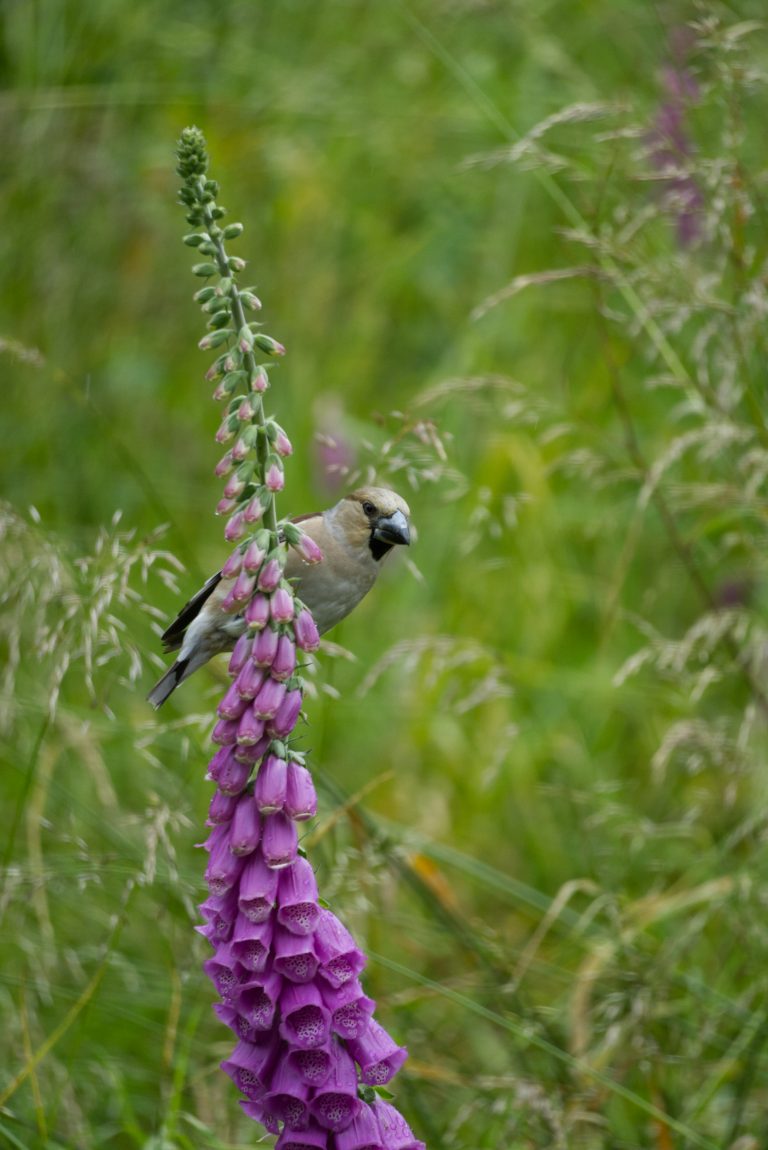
379 549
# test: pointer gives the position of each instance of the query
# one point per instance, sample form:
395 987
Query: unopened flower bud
204 269
270 696
286 716
275 480
309 551
284 662
259 380
257 612
270 786
281 605
305 631
225 466
244 587
234 487
254 557
300 796
236 264
224 506
250 728
265 647
251 301
279 841
283 445
254 512
240 450
245 411
245 831
232 565
236 527
270 575
241 654
266 344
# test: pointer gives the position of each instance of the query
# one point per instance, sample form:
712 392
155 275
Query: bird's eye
368 508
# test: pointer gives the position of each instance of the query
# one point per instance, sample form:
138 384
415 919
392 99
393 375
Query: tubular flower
305 1044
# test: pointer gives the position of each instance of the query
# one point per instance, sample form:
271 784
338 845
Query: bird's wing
174 636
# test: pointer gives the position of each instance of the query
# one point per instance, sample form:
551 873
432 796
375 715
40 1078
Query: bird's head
377 518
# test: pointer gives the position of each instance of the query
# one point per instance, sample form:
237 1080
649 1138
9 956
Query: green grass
542 772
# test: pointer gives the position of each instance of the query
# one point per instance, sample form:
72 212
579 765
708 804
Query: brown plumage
355 536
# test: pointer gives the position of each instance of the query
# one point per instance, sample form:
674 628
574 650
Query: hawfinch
355 536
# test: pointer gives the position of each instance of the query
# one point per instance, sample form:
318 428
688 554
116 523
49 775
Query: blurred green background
542 756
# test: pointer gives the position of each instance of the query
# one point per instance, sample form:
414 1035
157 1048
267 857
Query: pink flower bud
257 612
229 605
306 632
284 662
270 575
221 808
225 732
234 487
269 698
249 681
240 450
281 606
250 728
235 528
300 796
245 831
309 550
270 786
245 411
254 511
244 587
275 480
224 434
252 752
224 506
265 647
225 465
241 654
233 704
230 774
283 445
232 564
286 715
254 557
260 380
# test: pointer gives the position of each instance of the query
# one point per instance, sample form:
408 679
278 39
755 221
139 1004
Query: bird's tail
168 684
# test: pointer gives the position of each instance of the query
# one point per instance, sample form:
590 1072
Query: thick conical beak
392 529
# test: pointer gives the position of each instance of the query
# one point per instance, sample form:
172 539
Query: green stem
238 316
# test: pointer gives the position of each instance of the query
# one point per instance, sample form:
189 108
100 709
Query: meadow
517 254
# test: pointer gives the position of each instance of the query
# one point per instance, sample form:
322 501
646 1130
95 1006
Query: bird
355 536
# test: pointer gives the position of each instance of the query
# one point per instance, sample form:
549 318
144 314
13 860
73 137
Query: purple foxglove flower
250 943
241 654
244 587
300 797
284 662
220 913
306 1022
230 774
225 466
257 1000
224 434
279 841
340 959
223 868
221 808
229 605
248 1064
309 551
258 889
265 647
362 1132
283 445
245 830
312 1066
259 380
294 956
234 487
308 1139
257 612
394 1130
226 974
225 732
336 1103
299 909
275 480
281 606
306 632
254 511
232 564
250 728
286 716
350 1008
270 696
249 681
378 1054
240 450
256 1110
233 704
287 1096
254 557
270 786
224 506
236 527
270 575
252 752
229 1016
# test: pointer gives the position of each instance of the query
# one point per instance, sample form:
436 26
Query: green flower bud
291 532
207 248
235 264
204 295
194 239
249 300
224 286
232 231
204 270
266 344
219 319
215 338
218 213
